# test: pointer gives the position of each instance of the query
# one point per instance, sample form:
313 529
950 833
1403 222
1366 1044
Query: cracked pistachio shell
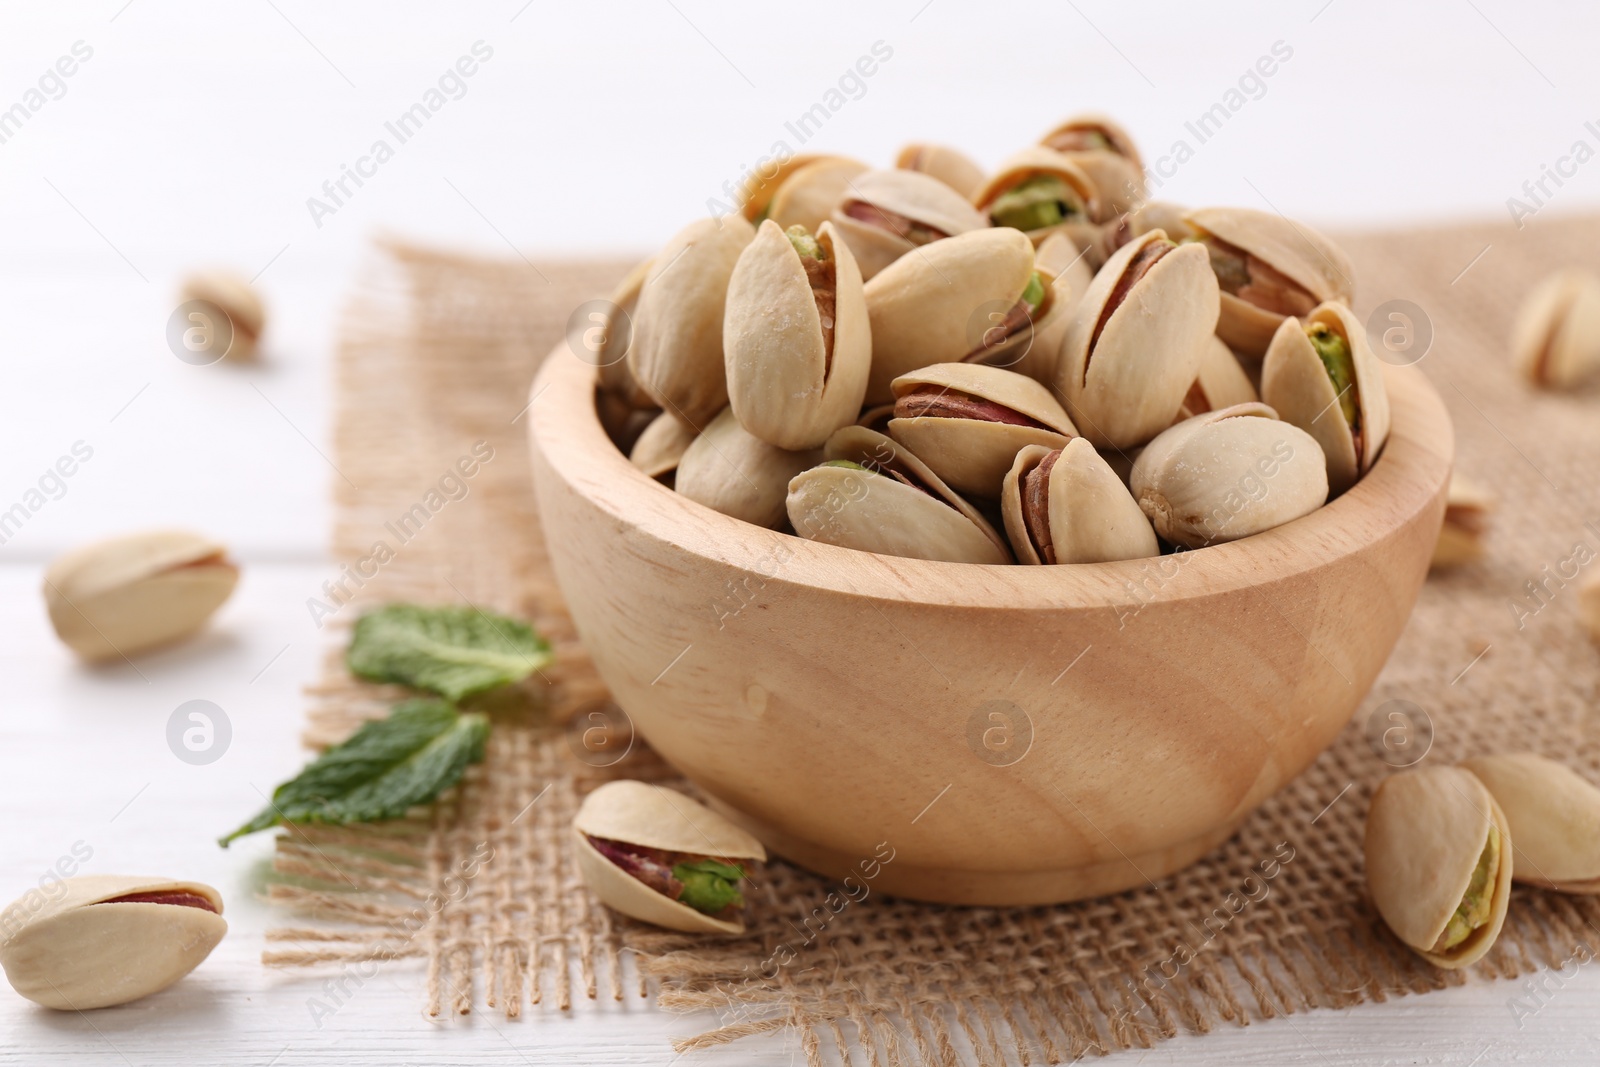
677 330
1221 383
1124 386
783 385
78 952
872 511
1295 250
1026 349
1228 474
973 455
1589 605
117 597
951 166
1467 510
1554 817
729 470
1057 257
1295 384
1147 217
1036 162
652 816
661 446
1555 342
1426 830
1117 171
933 307
799 189
1092 516
237 299
615 374
908 194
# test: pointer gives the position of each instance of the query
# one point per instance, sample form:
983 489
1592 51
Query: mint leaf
386 768
455 652
709 886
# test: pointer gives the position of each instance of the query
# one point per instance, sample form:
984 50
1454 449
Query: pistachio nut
1555 342
1136 341
1322 376
967 422
661 446
799 190
872 494
951 166
108 939
120 596
236 298
1221 383
1554 816
1439 862
615 373
795 339
938 306
676 354
1058 257
1467 507
1228 474
1267 267
886 213
1138 221
1106 153
1040 192
730 470
663 858
1589 604
1066 505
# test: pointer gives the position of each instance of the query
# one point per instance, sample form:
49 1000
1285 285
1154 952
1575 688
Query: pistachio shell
1555 342
1129 385
1032 163
1160 215
1426 830
1221 383
792 181
652 816
1554 817
615 373
677 330
237 299
1589 604
812 192
972 455
1092 516
951 166
1467 509
729 470
661 446
120 596
1057 257
1293 249
872 511
926 201
1117 172
932 307
78 952
1228 474
783 384
1295 383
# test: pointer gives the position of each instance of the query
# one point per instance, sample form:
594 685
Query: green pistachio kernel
1478 902
1334 351
1035 204
845 463
1033 295
804 243
709 886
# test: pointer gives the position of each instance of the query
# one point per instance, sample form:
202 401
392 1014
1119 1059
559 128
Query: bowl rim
1410 476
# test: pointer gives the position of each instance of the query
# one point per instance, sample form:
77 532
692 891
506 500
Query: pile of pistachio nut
909 361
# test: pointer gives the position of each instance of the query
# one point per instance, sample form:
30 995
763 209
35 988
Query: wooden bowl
1008 735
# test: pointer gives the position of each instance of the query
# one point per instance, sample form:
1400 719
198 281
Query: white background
195 135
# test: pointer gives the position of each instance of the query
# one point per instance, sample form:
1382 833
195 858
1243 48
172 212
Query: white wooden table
196 133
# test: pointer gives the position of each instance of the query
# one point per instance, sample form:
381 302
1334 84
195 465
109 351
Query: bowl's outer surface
1007 734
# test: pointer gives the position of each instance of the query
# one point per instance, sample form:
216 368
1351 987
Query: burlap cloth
437 354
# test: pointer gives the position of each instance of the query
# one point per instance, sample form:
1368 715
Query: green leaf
709 886
455 652
386 768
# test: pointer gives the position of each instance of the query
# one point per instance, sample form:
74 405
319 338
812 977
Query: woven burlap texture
436 356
